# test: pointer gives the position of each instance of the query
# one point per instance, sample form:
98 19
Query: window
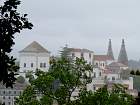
94 75
90 63
14 92
82 55
94 87
4 97
41 65
9 92
113 78
9 97
100 74
20 92
9 103
89 55
3 92
44 65
97 64
103 64
32 64
24 64
73 55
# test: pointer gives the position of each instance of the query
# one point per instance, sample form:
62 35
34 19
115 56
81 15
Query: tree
132 72
28 97
65 53
11 22
104 96
20 79
71 75
137 72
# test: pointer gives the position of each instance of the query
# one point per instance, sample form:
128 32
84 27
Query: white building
84 53
9 95
33 57
108 71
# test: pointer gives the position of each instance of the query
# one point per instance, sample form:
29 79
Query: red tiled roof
102 57
79 50
116 64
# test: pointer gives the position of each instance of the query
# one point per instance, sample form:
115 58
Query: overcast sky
82 24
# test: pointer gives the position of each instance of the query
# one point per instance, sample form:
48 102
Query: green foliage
28 97
71 76
65 53
11 22
132 72
30 76
103 96
137 72
20 79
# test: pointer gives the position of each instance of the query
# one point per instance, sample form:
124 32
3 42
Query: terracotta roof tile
102 57
116 64
80 50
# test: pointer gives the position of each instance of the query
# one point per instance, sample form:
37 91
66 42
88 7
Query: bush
132 72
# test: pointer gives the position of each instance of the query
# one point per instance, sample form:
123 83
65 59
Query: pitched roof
17 86
34 47
116 64
80 50
102 57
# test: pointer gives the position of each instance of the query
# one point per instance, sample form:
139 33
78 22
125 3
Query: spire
110 52
123 55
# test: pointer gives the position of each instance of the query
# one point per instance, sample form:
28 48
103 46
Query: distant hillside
133 64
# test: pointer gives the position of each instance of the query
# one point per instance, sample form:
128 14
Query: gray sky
82 24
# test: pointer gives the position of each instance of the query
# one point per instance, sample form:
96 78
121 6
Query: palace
106 69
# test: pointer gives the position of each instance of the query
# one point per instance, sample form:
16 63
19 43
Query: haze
82 24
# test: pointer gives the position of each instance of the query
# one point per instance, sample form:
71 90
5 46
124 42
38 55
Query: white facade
33 57
107 71
86 54
33 61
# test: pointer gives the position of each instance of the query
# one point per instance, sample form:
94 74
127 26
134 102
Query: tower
110 52
122 58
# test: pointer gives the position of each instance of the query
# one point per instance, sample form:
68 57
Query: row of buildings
106 69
